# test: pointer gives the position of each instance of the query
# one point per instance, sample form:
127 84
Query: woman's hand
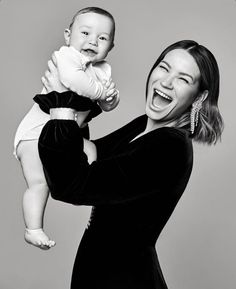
90 150
51 79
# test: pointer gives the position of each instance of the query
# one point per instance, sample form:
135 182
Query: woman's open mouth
160 100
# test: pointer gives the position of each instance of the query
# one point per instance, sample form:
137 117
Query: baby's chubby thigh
28 155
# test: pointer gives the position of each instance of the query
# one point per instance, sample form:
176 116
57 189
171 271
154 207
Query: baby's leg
36 195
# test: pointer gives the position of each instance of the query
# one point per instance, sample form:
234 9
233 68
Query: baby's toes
51 243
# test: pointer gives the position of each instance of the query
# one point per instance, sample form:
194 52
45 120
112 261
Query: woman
137 173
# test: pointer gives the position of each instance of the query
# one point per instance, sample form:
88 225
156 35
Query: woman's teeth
160 99
162 94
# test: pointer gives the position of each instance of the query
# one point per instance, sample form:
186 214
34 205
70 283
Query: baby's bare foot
38 238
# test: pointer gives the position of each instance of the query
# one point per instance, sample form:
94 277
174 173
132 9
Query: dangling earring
194 115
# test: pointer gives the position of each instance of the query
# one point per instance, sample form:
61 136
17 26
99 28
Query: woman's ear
67 34
203 96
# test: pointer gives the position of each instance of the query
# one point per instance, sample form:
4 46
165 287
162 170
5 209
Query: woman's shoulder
169 145
173 133
170 138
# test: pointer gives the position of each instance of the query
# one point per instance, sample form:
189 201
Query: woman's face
173 86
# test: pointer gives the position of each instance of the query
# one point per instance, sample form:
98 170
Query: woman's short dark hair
96 10
210 123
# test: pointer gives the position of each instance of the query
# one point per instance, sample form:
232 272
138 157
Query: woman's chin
158 113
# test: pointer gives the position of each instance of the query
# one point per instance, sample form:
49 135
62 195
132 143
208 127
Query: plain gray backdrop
197 247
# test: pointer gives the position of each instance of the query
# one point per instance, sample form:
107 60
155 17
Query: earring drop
194 115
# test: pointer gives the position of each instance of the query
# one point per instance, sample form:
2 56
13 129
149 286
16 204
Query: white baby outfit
76 73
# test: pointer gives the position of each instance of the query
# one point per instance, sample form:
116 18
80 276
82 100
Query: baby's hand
110 97
111 90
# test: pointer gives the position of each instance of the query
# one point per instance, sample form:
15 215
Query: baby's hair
98 11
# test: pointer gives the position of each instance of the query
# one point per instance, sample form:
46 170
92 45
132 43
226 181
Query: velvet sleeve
69 99
149 168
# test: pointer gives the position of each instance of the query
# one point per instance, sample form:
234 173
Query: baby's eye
84 32
103 38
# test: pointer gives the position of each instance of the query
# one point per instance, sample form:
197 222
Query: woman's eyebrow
186 74
181 73
163 61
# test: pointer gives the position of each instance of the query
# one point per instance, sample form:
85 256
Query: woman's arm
72 179
152 167
148 169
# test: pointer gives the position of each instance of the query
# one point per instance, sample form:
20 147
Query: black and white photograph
118 145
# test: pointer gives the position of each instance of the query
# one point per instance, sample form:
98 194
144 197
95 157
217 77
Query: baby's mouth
89 52
160 100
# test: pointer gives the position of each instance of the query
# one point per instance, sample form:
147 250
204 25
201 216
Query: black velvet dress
133 187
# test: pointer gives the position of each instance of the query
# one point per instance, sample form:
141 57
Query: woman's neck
154 124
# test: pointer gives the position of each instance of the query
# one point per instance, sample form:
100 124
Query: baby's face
91 34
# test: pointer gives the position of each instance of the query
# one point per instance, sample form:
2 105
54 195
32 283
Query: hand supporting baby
51 81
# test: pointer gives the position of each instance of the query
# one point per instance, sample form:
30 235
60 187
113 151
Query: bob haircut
210 123
96 10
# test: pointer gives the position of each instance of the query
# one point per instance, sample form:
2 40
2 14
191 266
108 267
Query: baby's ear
112 45
67 34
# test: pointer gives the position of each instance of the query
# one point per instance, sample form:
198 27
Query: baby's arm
71 69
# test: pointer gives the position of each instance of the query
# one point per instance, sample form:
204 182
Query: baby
81 68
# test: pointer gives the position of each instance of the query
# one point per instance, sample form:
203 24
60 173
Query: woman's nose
167 82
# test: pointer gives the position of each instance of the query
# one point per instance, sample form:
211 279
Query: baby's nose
93 41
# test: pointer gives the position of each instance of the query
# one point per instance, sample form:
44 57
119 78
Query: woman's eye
184 80
163 67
